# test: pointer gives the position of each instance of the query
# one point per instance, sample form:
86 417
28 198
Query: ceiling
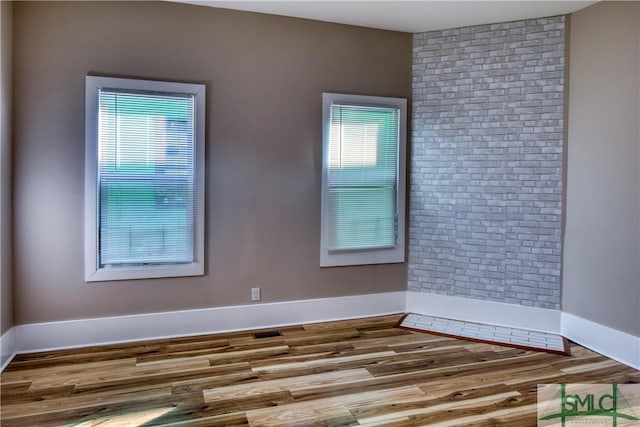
409 16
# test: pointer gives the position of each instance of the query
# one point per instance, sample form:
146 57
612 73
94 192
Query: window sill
150 272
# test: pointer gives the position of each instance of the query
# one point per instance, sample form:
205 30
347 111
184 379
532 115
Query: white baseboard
489 312
7 347
108 330
617 345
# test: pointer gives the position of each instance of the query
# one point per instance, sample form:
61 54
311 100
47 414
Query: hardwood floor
358 372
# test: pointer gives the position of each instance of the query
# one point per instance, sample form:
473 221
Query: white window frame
93 271
395 254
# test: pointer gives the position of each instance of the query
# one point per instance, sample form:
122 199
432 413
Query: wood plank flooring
357 372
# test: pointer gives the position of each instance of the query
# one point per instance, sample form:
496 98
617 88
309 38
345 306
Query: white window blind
146 178
363 171
363 180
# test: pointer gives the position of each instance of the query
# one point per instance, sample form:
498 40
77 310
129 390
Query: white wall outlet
255 294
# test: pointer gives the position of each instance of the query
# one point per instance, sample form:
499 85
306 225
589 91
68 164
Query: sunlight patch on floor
134 419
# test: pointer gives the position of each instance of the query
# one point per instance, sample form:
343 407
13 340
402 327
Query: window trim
93 271
394 254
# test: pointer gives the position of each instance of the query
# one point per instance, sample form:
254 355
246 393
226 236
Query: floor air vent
492 334
267 334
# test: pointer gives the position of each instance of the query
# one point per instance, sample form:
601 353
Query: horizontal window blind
362 177
146 168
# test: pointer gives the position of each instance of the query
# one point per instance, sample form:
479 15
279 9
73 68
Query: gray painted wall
265 75
601 266
486 162
6 250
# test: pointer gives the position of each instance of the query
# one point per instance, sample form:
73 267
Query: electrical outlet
255 294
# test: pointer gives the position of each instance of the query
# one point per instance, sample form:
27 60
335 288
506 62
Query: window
144 179
363 180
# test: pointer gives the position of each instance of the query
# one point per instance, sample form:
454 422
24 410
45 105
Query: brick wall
486 162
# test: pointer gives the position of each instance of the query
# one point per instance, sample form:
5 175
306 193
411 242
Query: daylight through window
147 178
363 180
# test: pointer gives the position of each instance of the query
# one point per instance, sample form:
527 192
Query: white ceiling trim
408 16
